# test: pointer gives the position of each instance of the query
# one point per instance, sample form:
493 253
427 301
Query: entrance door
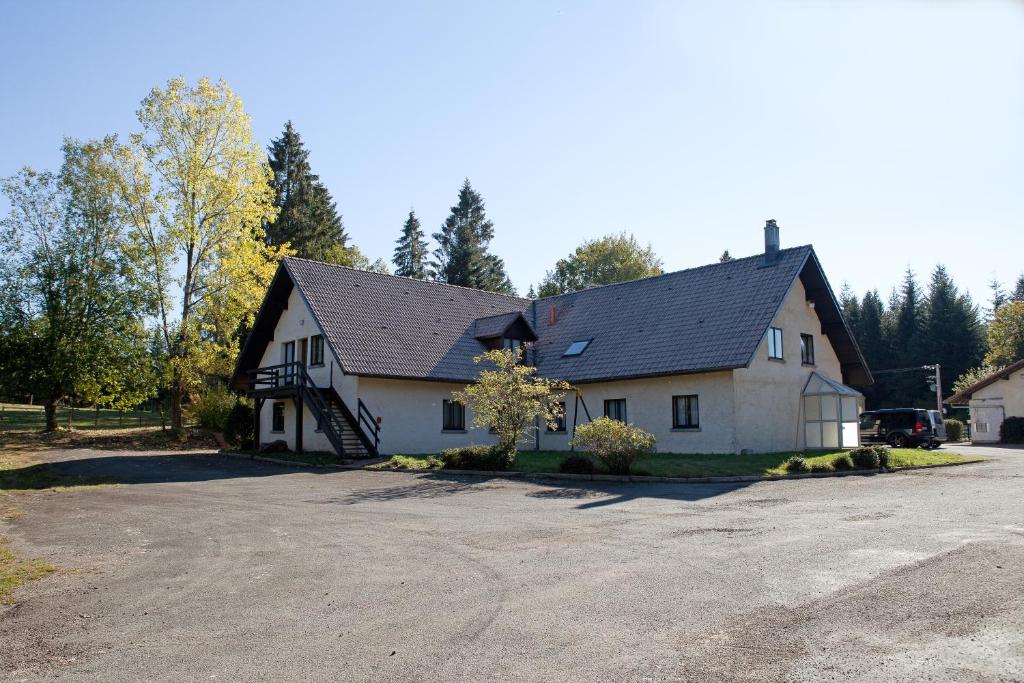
288 357
986 421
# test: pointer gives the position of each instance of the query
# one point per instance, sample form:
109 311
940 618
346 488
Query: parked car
903 427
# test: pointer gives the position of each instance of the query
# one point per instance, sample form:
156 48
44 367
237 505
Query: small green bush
796 465
576 464
211 409
954 429
1012 430
614 443
819 466
489 458
870 457
842 463
238 426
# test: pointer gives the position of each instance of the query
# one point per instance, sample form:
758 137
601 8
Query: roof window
577 347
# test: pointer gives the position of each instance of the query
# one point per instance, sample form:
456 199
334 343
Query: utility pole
936 383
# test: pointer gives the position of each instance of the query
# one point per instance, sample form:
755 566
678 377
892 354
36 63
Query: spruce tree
1018 289
308 217
461 255
951 329
998 296
410 257
725 257
850 307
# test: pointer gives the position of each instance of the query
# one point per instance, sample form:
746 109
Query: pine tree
725 257
998 296
461 255
1018 289
532 294
410 257
951 329
850 307
308 218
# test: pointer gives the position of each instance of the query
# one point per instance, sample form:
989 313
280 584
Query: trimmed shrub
1012 430
796 465
238 426
842 463
489 458
614 443
576 464
211 409
954 429
870 457
819 466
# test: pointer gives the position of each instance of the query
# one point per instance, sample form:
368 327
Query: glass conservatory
831 413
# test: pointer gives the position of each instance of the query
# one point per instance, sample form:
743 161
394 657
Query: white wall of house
649 406
768 393
411 416
992 404
296 324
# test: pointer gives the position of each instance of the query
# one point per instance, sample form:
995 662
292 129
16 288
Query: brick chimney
771 241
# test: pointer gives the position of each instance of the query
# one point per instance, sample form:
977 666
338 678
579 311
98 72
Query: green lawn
22 416
689 464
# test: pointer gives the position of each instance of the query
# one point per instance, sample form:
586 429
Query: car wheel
898 440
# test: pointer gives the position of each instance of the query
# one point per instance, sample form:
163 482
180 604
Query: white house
751 354
991 400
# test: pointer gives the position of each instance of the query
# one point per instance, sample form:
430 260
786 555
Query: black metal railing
372 426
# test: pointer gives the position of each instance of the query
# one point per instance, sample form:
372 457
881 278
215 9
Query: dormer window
577 347
512 344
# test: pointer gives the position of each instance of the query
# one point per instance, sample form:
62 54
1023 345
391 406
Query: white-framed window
775 343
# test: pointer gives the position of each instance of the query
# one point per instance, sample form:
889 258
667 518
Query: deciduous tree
1006 335
613 258
197 191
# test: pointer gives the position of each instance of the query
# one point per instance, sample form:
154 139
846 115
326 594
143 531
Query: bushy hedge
490 458
211 409
576 464
614 443
819 466
238 426
954 429
796 465
1012 430
842 463
870 457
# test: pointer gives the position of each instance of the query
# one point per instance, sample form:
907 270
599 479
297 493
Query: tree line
935 324
136 269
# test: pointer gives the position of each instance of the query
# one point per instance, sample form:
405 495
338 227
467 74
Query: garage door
986 422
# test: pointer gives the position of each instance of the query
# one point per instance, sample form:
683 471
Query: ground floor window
685 412
453 417
277 419
560 420
615 408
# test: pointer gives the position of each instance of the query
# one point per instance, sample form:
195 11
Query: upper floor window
806 349
512 344
453 417
577 347
775 343
316 349
615 408
685 412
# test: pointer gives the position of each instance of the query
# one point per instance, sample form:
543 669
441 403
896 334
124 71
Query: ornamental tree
511 399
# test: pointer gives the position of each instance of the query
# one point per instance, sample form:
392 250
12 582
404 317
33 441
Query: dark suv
902 427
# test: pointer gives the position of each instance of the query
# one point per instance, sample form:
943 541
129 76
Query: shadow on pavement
137 469
596 494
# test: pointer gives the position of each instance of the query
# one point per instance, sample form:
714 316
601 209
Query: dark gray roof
696 320
389 326
495 325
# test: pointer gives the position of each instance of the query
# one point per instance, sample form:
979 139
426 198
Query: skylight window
577 347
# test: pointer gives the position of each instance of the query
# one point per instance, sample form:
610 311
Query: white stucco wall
768 414
992 404
412 416
297 323
649 406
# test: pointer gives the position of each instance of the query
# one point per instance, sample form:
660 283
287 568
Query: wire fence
26 416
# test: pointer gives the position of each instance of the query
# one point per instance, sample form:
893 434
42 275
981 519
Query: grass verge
16 571
685 464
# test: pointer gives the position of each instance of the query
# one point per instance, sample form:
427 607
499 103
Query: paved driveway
200 567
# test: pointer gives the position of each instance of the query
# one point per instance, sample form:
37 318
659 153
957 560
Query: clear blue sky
885 133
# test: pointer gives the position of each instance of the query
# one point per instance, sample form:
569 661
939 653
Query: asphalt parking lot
202 567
